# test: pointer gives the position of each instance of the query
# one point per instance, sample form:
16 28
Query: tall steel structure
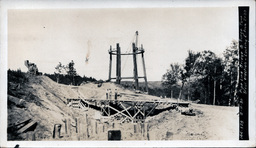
135 51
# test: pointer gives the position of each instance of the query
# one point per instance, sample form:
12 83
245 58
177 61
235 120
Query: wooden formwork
127 110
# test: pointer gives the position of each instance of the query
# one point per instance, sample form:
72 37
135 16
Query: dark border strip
243 72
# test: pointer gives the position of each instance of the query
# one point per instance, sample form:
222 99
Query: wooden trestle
135 51
125 110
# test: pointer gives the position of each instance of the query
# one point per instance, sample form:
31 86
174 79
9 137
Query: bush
66 79
16 76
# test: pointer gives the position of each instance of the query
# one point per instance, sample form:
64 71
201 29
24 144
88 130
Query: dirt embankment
44 101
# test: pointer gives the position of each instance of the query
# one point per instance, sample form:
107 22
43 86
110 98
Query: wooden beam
86 127
104 111
119 52
119 112
118 64
123 120
152 109
138 52
125 109
135 70
21 124
144 70
26 127
139 111
110 63
129 77
66 127
136 114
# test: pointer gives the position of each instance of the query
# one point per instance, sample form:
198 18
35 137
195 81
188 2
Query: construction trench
115 112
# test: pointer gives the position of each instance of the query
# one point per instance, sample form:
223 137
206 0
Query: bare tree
59 70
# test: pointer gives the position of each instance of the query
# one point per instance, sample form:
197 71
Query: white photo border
78 4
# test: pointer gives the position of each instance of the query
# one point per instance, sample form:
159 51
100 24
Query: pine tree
71 71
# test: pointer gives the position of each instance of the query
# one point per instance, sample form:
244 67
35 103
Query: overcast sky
47 37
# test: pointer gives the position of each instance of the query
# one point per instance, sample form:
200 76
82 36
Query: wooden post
134 109
138 127
147 131
86 127
96 126
144 112
135 129
69 127
78 128
92 127
108 111
66 128
53 133
144 68
76 125
56 131
141 128
99 128
118 64
135 70
137 34
119 53
81 130
110 63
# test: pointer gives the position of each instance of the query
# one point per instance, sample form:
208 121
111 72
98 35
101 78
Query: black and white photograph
83 72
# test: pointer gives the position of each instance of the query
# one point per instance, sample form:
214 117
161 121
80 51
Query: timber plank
23 129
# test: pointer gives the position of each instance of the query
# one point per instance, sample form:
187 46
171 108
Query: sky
49 36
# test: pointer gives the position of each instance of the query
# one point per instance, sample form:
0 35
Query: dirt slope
42 104
44 101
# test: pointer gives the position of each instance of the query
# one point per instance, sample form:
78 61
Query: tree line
205 77
66 74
